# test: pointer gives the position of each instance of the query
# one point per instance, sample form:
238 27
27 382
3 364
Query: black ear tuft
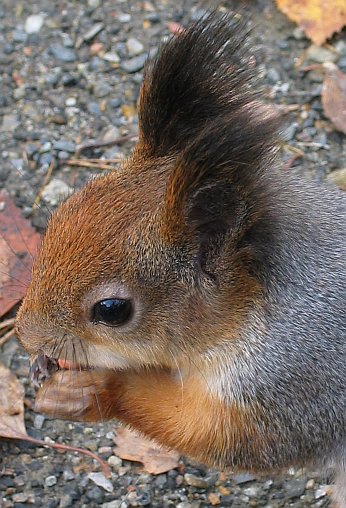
199 75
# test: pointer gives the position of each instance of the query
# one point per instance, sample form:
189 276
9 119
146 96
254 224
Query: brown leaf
11 405
132 446
334 96
318 18
18 243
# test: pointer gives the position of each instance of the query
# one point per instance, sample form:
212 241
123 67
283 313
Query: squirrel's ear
220 182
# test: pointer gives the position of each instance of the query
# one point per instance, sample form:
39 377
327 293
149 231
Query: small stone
19 35
8 48
101 481
21 497
112 57
93 31
68 475
251 491
50 481
295 488
214 498
132 498
33 24
30 150
94 108
134 64
101 89
64 145
321 55
340 47
65 501
298 33
95 494
196 481
69 80
273 75
94 4
324 490
9 122
19 93
124 17
62 53
63 156
134 47
46 147
71 102
112 504
39 421
115 461
310 484
56 191
241 478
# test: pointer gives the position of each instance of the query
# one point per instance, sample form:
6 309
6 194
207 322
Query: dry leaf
132 446
334 96
18 243
318 18
11 405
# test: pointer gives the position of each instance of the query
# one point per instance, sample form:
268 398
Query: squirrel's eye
112 312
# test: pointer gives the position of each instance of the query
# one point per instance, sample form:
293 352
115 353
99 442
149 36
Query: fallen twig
94 163
59 446
98 143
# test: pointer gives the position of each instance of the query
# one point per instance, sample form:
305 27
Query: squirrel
197 293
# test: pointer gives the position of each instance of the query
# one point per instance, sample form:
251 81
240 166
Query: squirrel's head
155 263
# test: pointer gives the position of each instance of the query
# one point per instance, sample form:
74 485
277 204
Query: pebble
33 23
241 478
116 503
71 102
65 146
46 147
19 35
196 481
94 3
50 481
56 191
295 488
62 53
324 490
39 421
134 47
112 57
9 122
101 89
134 64
95 494
19 93
68 475
115 461
321 55
93 31
124 17
101 481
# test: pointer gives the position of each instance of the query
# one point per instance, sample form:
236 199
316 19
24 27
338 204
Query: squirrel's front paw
78 395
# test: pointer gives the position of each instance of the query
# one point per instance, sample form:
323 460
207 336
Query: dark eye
112 312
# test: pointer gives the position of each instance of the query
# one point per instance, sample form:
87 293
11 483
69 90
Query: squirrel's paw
86 395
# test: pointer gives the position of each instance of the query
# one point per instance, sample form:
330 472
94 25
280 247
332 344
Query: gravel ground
69 73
